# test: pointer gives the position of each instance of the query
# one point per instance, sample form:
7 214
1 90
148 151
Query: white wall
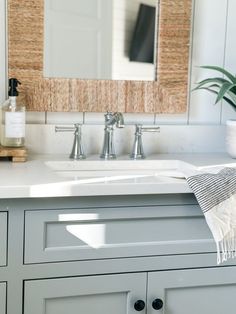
209 48
213 43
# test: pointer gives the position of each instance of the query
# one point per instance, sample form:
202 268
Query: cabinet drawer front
107 294
195 291
2 298
65 235
3 237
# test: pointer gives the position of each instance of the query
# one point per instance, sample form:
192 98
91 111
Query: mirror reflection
100 39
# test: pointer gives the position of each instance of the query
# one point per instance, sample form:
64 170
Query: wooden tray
15 154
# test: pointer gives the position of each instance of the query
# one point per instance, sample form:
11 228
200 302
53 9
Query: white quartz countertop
35 178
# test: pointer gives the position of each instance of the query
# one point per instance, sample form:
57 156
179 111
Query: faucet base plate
137 156
110 156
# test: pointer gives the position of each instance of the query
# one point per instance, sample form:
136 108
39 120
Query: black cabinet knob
157 304
139 305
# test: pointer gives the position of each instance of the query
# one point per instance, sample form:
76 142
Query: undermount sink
116 169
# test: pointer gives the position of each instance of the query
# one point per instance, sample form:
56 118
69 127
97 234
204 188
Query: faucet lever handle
77 151
137 151
147 128
65 128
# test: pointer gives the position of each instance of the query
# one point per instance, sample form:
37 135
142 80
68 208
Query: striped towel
216 195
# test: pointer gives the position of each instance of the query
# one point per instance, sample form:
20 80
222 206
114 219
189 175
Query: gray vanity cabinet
3 237
2 298
111 255
98 233
193 291
107 294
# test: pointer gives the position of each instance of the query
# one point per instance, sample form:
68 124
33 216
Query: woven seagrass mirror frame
168 94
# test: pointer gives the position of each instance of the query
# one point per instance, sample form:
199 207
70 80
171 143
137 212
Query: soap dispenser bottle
13 118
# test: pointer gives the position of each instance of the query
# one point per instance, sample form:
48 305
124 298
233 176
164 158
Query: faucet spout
119 120
111 119
114 119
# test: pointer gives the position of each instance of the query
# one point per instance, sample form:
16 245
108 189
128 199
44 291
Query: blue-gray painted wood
168 226
94 294
96 233
2 298
205 291
3 238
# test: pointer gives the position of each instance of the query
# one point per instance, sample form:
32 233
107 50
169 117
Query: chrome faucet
77 149
137 151
111 119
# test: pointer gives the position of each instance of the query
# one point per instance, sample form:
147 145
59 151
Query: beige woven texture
166 95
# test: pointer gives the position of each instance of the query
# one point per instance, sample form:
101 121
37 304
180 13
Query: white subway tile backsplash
35 117
42 139
123 140
94 118
92 137
191 139
139 118
64 117
171 118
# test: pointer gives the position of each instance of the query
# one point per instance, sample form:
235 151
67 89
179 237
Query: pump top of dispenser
13 83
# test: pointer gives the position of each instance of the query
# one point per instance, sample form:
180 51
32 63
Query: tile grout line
191 64
224 55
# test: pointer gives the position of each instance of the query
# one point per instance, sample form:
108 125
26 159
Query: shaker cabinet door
3 298
204 291
3 237
108 294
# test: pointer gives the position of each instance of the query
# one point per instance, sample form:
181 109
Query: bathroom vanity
73 247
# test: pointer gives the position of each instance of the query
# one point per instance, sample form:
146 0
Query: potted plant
225 89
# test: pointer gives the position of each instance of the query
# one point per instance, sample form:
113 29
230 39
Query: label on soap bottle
14 124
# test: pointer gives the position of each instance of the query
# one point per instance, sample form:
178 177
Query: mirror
167 94
100 39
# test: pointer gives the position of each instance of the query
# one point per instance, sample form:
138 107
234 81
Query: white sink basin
116 169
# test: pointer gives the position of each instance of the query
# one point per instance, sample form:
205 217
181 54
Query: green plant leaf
229 101
214 86
232 96
221 70
226 87
218 80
